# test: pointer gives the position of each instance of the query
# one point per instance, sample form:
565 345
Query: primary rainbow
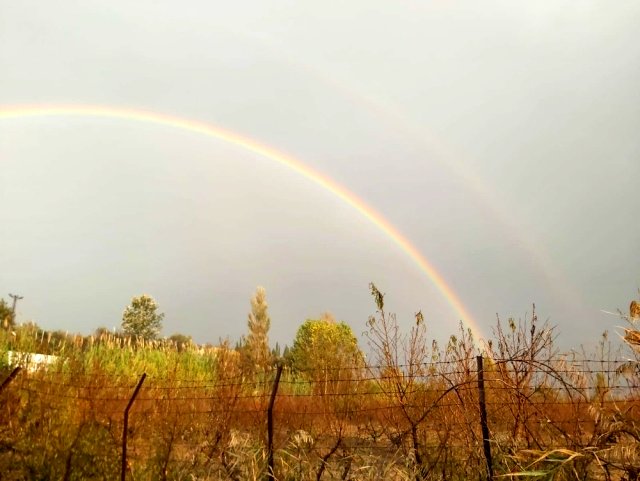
12 112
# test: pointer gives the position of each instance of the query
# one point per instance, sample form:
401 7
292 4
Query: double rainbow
292 163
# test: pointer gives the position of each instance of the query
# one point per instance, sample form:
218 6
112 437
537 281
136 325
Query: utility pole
15 298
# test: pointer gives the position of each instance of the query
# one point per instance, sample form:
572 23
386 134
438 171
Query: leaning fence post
123 473
274 391
9 378
483 419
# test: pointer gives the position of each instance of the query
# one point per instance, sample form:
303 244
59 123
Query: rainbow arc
195 126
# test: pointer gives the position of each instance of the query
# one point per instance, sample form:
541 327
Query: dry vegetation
412 413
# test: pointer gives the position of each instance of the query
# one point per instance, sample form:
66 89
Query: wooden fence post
270 472
123 472
9 378
483 419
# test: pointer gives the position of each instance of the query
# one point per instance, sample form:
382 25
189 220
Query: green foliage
414 416
322 344
377 296
142 319
6 316
255 348
181 341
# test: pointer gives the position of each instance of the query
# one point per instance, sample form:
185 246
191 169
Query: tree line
319 343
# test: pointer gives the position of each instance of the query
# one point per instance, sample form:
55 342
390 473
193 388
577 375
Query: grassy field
413 414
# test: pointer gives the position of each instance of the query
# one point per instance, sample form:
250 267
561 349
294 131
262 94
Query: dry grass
414 415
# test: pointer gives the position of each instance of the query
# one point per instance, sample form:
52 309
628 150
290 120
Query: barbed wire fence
436 418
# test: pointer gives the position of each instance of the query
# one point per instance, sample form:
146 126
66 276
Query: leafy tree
6 316
276 352
181 341
255 349
141 318
324 349
101 331
286 356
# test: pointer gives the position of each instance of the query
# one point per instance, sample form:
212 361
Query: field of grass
413 414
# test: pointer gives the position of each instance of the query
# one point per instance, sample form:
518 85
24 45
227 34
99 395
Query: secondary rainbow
13 112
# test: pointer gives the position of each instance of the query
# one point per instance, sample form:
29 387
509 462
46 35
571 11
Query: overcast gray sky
500 137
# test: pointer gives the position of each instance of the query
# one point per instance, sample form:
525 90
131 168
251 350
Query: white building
30 361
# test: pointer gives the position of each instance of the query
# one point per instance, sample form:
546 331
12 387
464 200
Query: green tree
181 341
6 316
255 348
324 349
141 318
